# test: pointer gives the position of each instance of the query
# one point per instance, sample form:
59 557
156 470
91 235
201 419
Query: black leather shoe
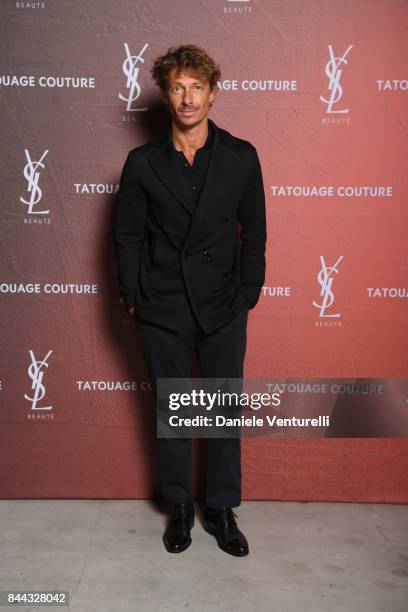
177 538
221 523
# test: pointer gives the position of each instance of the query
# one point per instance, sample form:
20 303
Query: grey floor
110 557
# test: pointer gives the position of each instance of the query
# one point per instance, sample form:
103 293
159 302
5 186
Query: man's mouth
187 111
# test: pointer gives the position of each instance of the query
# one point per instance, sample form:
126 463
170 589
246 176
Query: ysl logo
132 72
333 71
33 176
325 281
36 375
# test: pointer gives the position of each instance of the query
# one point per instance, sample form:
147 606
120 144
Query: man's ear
165 98
213 93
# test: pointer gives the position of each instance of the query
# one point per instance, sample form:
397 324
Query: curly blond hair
185 57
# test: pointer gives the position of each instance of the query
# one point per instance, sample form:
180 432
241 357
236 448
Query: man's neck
190 139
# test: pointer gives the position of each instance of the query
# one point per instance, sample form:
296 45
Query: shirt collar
208 142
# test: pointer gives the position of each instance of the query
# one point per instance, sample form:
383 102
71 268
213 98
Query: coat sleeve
129 226
252 218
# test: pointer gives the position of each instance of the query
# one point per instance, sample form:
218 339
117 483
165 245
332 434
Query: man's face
189 98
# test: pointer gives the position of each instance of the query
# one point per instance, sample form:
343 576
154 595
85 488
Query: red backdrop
319 89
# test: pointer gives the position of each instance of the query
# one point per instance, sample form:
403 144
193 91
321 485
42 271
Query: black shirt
194 174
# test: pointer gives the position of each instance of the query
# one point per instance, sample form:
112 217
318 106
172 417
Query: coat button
206 254
187 255
225 220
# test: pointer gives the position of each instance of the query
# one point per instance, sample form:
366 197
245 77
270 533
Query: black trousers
169 354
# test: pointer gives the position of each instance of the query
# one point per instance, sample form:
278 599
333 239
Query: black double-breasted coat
168 249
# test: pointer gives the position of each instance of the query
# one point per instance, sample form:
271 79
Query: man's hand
131 310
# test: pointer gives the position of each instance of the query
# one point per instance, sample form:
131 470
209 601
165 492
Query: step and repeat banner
320 88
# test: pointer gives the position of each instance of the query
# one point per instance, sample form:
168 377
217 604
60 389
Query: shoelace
181 511
228 519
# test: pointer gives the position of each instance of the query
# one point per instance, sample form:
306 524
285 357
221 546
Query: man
188 277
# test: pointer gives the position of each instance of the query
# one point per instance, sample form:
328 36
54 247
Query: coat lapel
221 169
166 166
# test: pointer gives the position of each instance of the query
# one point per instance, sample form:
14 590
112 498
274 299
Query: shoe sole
213 532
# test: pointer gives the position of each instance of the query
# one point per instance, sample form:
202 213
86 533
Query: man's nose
188 97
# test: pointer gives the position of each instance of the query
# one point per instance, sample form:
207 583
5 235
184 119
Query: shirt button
193 186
